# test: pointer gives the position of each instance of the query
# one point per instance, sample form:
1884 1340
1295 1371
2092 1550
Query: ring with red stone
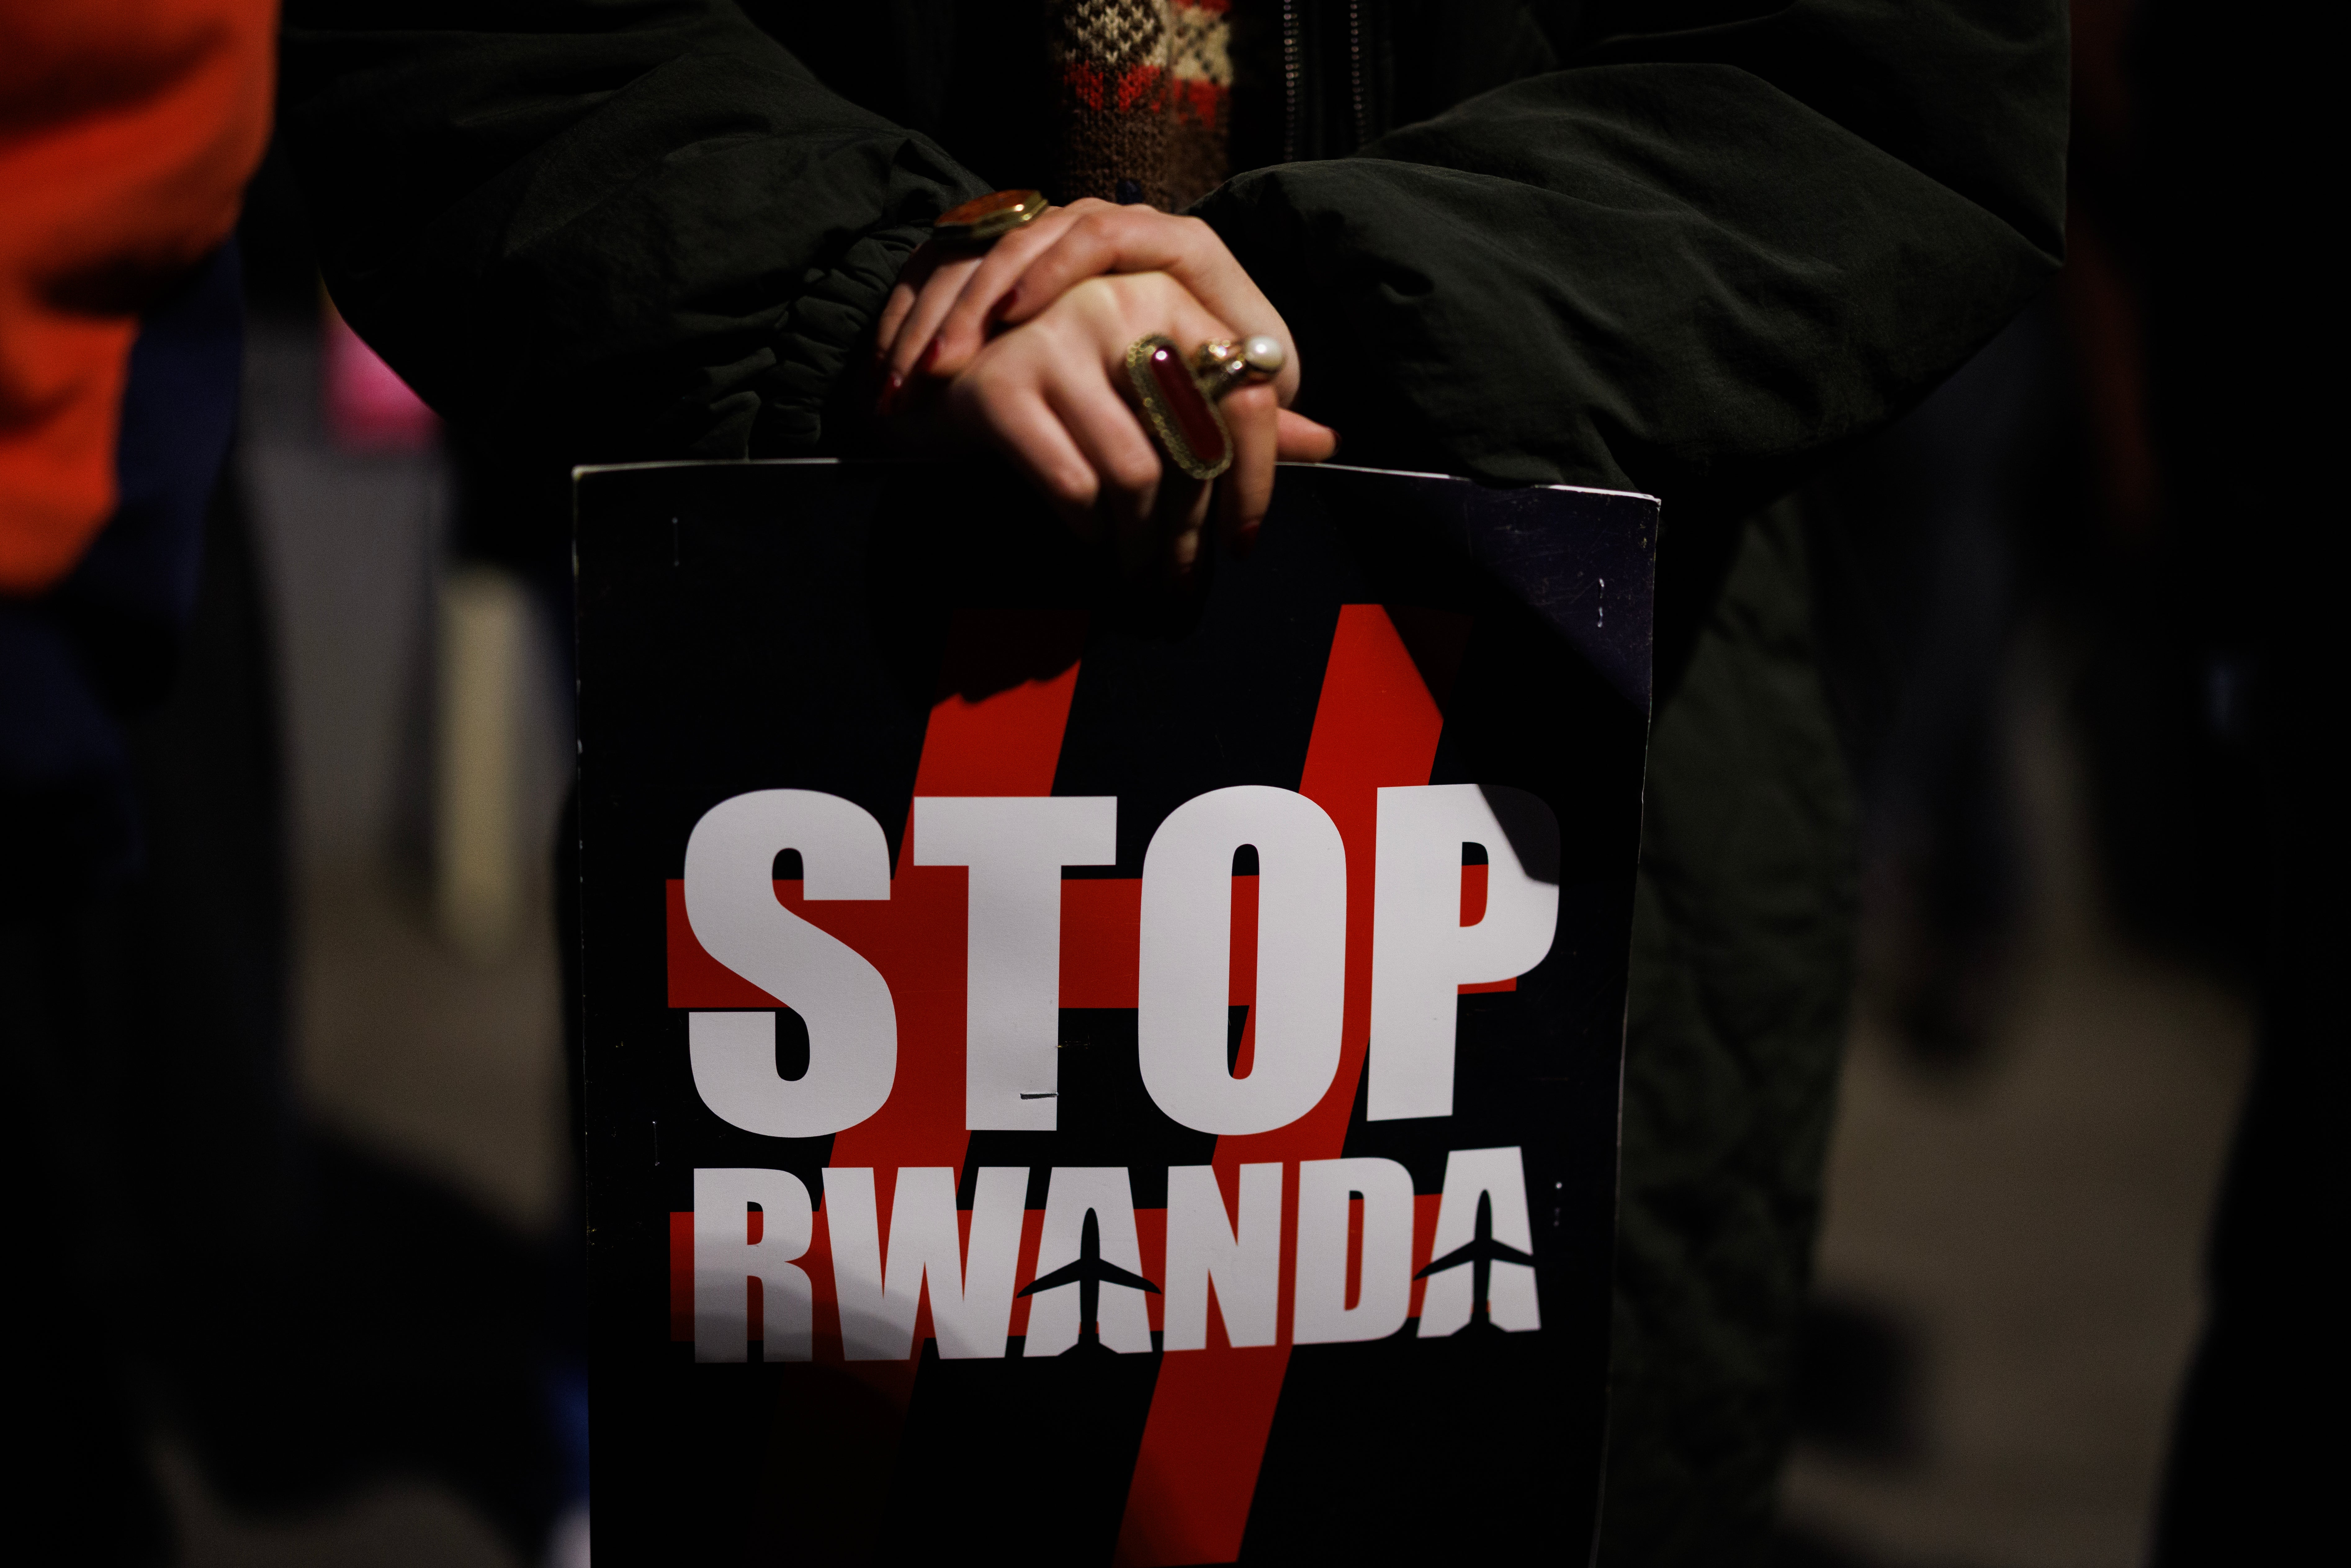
1190 427
982 221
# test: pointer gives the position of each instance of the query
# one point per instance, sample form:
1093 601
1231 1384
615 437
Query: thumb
1298 439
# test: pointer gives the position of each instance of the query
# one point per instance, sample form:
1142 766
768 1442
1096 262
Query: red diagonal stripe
1376 724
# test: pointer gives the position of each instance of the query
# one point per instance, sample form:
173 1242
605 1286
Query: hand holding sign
1002 350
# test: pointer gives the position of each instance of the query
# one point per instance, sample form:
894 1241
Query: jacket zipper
1355 71
1289 68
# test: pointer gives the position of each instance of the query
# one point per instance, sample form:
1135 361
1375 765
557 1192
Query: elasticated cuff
819 339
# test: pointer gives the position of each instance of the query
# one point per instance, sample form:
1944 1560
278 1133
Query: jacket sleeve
1690 260
600 228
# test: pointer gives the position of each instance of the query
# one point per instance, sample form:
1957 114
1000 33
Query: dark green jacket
1678 247
1687 247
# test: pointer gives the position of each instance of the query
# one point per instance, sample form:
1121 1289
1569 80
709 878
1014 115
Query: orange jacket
128 129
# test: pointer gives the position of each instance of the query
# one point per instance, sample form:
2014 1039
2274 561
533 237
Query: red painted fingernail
1245 539
930 357
891 390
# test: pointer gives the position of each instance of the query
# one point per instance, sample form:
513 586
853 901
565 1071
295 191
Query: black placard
892 794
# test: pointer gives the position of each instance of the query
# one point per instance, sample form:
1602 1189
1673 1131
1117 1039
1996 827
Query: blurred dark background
2072 610
422 731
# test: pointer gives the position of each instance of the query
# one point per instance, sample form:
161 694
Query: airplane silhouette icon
1090 1274
1481 1252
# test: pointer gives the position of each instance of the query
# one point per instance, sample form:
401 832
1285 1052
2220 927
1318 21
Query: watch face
986 217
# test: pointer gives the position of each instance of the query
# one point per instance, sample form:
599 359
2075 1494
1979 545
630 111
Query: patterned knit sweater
1146 91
